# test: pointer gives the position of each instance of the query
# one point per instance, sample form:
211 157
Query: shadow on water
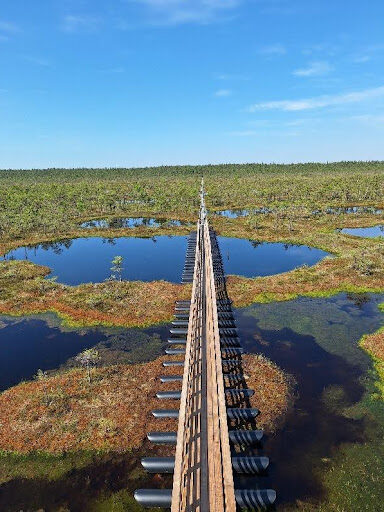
329 378
81 488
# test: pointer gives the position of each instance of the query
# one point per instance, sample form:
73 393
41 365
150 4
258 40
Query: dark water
371 232
315 340
372 210
31 343
234 214
83 260
133 222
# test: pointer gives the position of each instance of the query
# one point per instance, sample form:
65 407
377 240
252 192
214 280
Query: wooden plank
224 474
203 482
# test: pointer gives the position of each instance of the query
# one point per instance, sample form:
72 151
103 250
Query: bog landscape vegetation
73 426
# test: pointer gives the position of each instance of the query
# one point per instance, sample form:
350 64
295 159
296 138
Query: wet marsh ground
328 454
357 265
30 343
75 445
330 441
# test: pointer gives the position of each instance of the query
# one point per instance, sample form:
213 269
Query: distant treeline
113 173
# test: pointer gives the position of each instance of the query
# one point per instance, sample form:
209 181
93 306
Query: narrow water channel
235 213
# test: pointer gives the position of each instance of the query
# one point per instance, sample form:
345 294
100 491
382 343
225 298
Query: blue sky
152 82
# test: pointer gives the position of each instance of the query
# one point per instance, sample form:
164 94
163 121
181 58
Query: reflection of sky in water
234 214
83 260
371 232
132 222
250 259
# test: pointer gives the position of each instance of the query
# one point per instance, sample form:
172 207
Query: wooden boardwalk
206 458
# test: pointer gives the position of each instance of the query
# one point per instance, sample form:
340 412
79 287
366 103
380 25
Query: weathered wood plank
203 478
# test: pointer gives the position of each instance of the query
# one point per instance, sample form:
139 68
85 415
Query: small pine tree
88 359
117 268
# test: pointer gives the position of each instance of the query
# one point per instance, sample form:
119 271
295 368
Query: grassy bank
24 290
74 445
64 412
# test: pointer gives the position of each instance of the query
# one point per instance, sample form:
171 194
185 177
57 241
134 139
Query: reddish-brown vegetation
113 412
328 276
23 289
374 343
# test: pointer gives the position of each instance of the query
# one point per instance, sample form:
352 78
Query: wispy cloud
8 29
317 68
178 12
38 61
74 23
273 49
319 101
244 133
359 59
222 93
326 48
371 119
255 133
368 53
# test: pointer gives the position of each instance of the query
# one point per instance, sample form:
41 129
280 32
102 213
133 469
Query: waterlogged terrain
359 210
327 456
82 480
370 232
83 260
330 452
132 222
234 214
41 342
